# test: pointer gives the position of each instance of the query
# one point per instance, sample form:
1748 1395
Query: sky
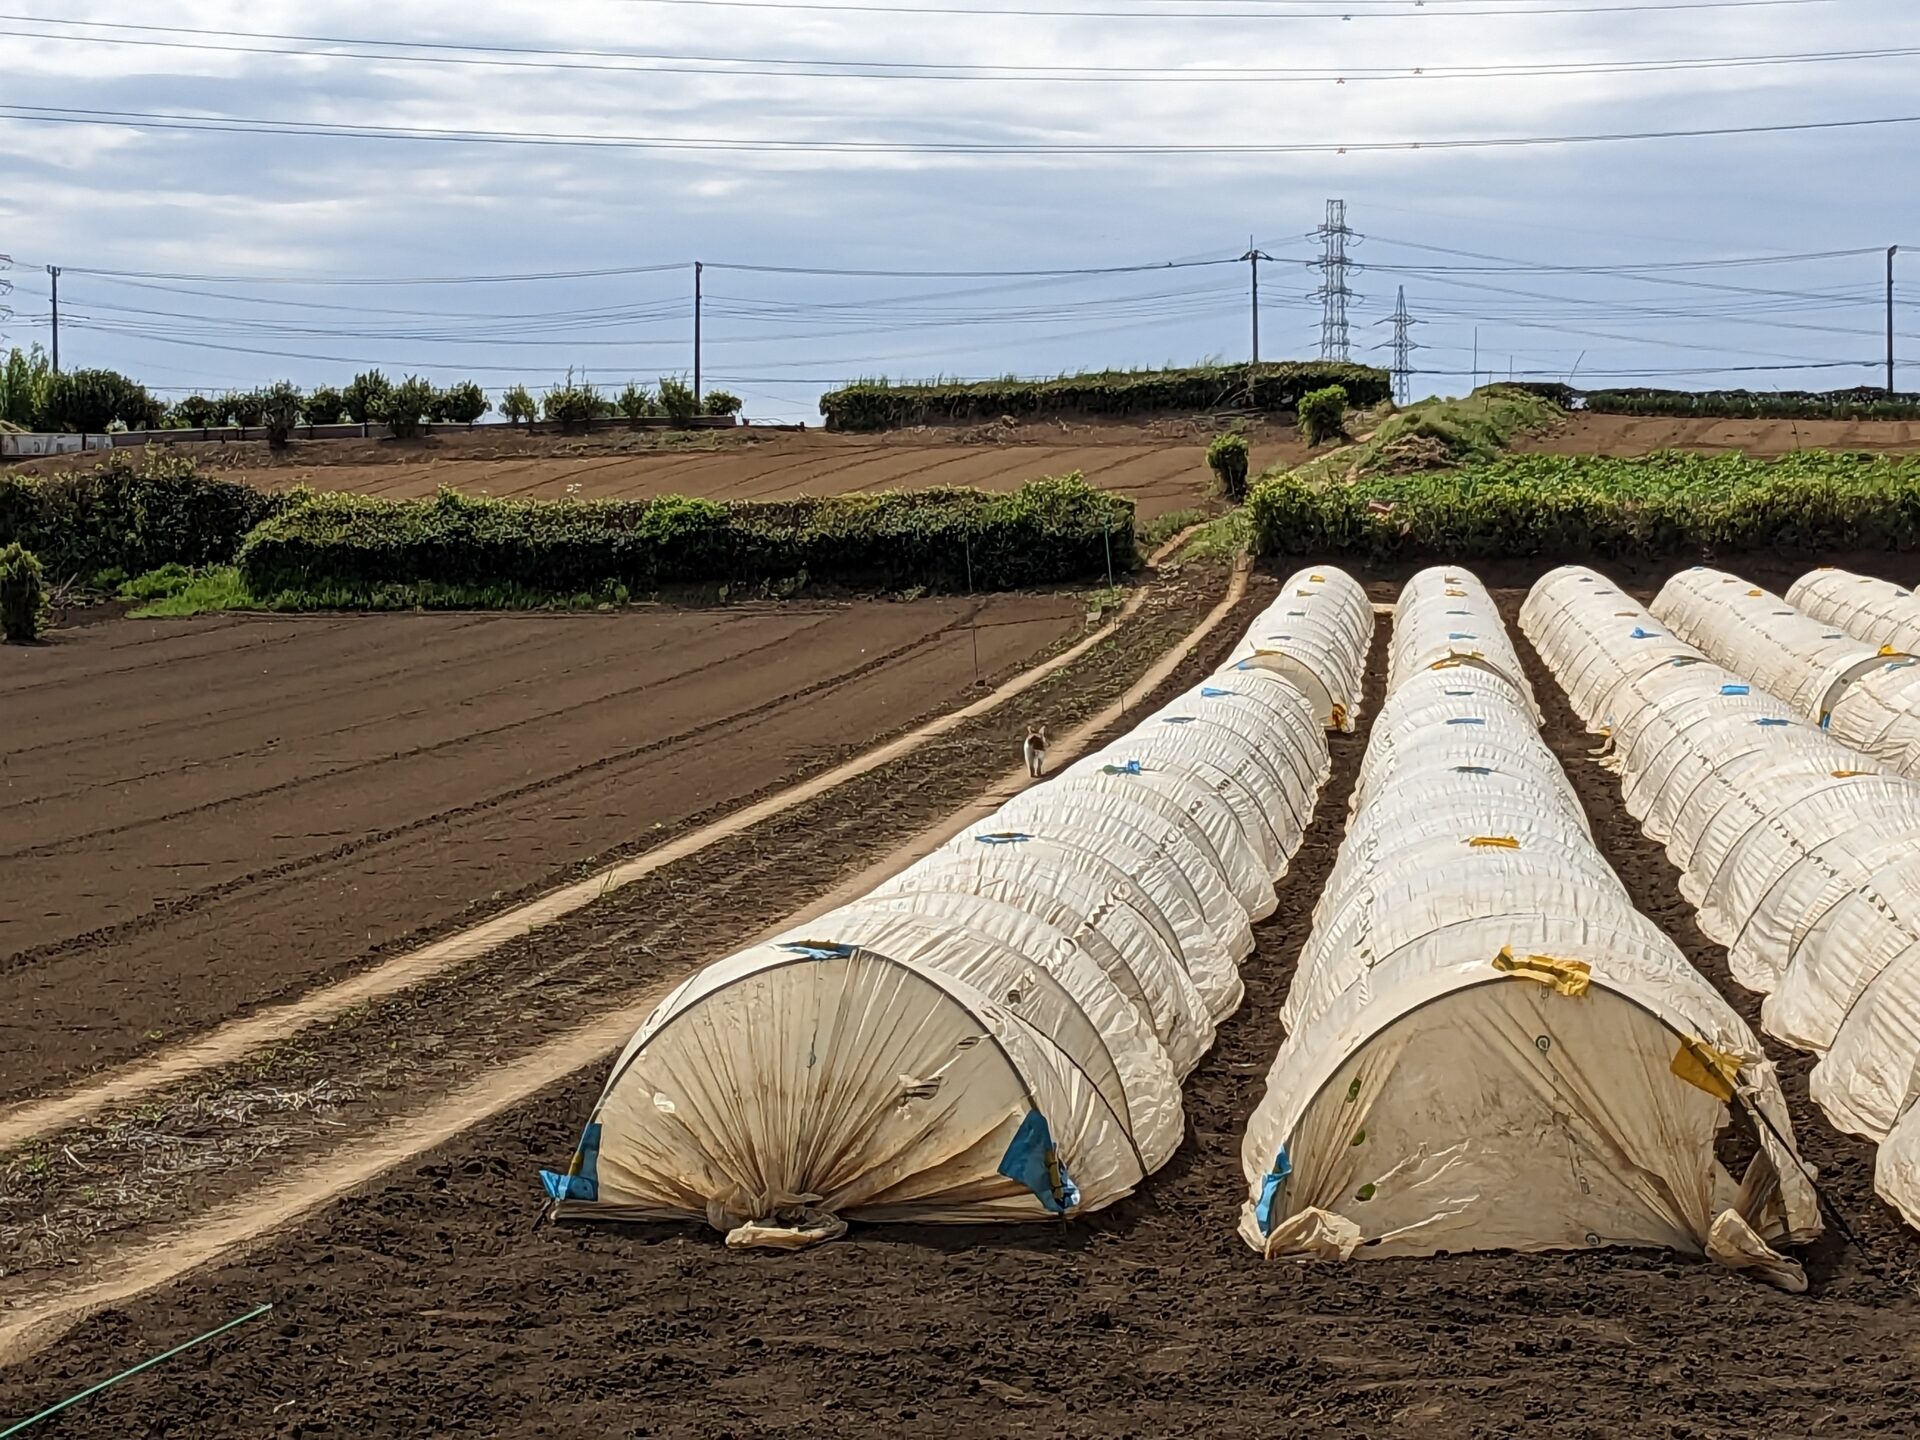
240 193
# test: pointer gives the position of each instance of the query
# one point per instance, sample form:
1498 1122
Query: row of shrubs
138 515
1862 402
882 405
1048 531
32 397
1557 507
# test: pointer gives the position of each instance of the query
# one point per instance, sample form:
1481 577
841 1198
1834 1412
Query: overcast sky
222 210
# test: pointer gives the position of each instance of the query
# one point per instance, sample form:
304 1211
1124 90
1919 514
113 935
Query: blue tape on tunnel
1270 1186
582 1180
1032 1160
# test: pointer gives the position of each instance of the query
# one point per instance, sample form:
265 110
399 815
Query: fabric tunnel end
1034 1162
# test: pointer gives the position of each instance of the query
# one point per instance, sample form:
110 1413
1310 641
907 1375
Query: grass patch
175 590
1225 538
1162 528
1436 434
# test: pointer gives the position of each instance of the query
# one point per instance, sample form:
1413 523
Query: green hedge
130 513
1562 507
1047 532
880 405
1862 403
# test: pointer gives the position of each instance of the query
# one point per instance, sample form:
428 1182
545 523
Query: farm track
403 1051
410 768
429 1294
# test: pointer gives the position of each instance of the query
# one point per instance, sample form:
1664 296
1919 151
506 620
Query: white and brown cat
1035 751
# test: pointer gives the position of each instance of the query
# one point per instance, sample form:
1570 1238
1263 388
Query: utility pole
54 272
1892 250
697 268
1333 294
1253 257
1403 346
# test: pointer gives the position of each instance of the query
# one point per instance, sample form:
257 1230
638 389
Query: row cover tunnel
1000 1031
1796 834
1488 1045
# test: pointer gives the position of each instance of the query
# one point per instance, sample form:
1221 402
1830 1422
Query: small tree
1323 415
23 384
1227 458
403 409
519 406
720 402
246 407
365 395
23 595
90 401
460 404
280 407
324 406
678 400
636 402
196 412
574 403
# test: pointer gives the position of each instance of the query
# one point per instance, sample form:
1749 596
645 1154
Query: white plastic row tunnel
1000 1031
1867 693
1488 1046
1801 852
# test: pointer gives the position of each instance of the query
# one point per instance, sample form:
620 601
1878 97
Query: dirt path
213 815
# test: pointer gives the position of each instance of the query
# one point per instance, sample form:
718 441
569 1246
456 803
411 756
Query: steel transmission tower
1334 266
1403 345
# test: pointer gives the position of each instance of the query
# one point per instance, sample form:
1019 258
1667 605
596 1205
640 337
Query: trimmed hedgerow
131 514
1049 531
882 405
1861 403
1564 507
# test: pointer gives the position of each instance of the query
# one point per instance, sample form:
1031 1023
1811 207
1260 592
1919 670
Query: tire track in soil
558 980
428 1294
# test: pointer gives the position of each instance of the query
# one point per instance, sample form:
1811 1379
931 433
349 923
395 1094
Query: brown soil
1584 434
205 815
432 1302
1160 465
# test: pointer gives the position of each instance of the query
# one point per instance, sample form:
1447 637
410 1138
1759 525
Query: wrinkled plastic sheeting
1801 854
1481 1024
1316 637
1877 612
1867 696
998 1032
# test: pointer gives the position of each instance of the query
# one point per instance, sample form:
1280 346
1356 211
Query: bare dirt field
198 816
1584 434
430 1302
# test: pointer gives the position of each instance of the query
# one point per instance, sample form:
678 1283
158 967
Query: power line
1349 11
240 125
668 62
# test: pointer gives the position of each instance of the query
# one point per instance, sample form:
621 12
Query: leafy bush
131 514
459 404
1568 507
677 399
359 548
636 402
280 406
519 406
720 402
23 595
325 406
574 403
881 405
91 401
1323 415
404 408
1227 458
365 396
197 412
245 407
23 383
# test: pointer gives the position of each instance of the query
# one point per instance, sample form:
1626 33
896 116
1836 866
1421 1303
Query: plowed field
430 1302
199 816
